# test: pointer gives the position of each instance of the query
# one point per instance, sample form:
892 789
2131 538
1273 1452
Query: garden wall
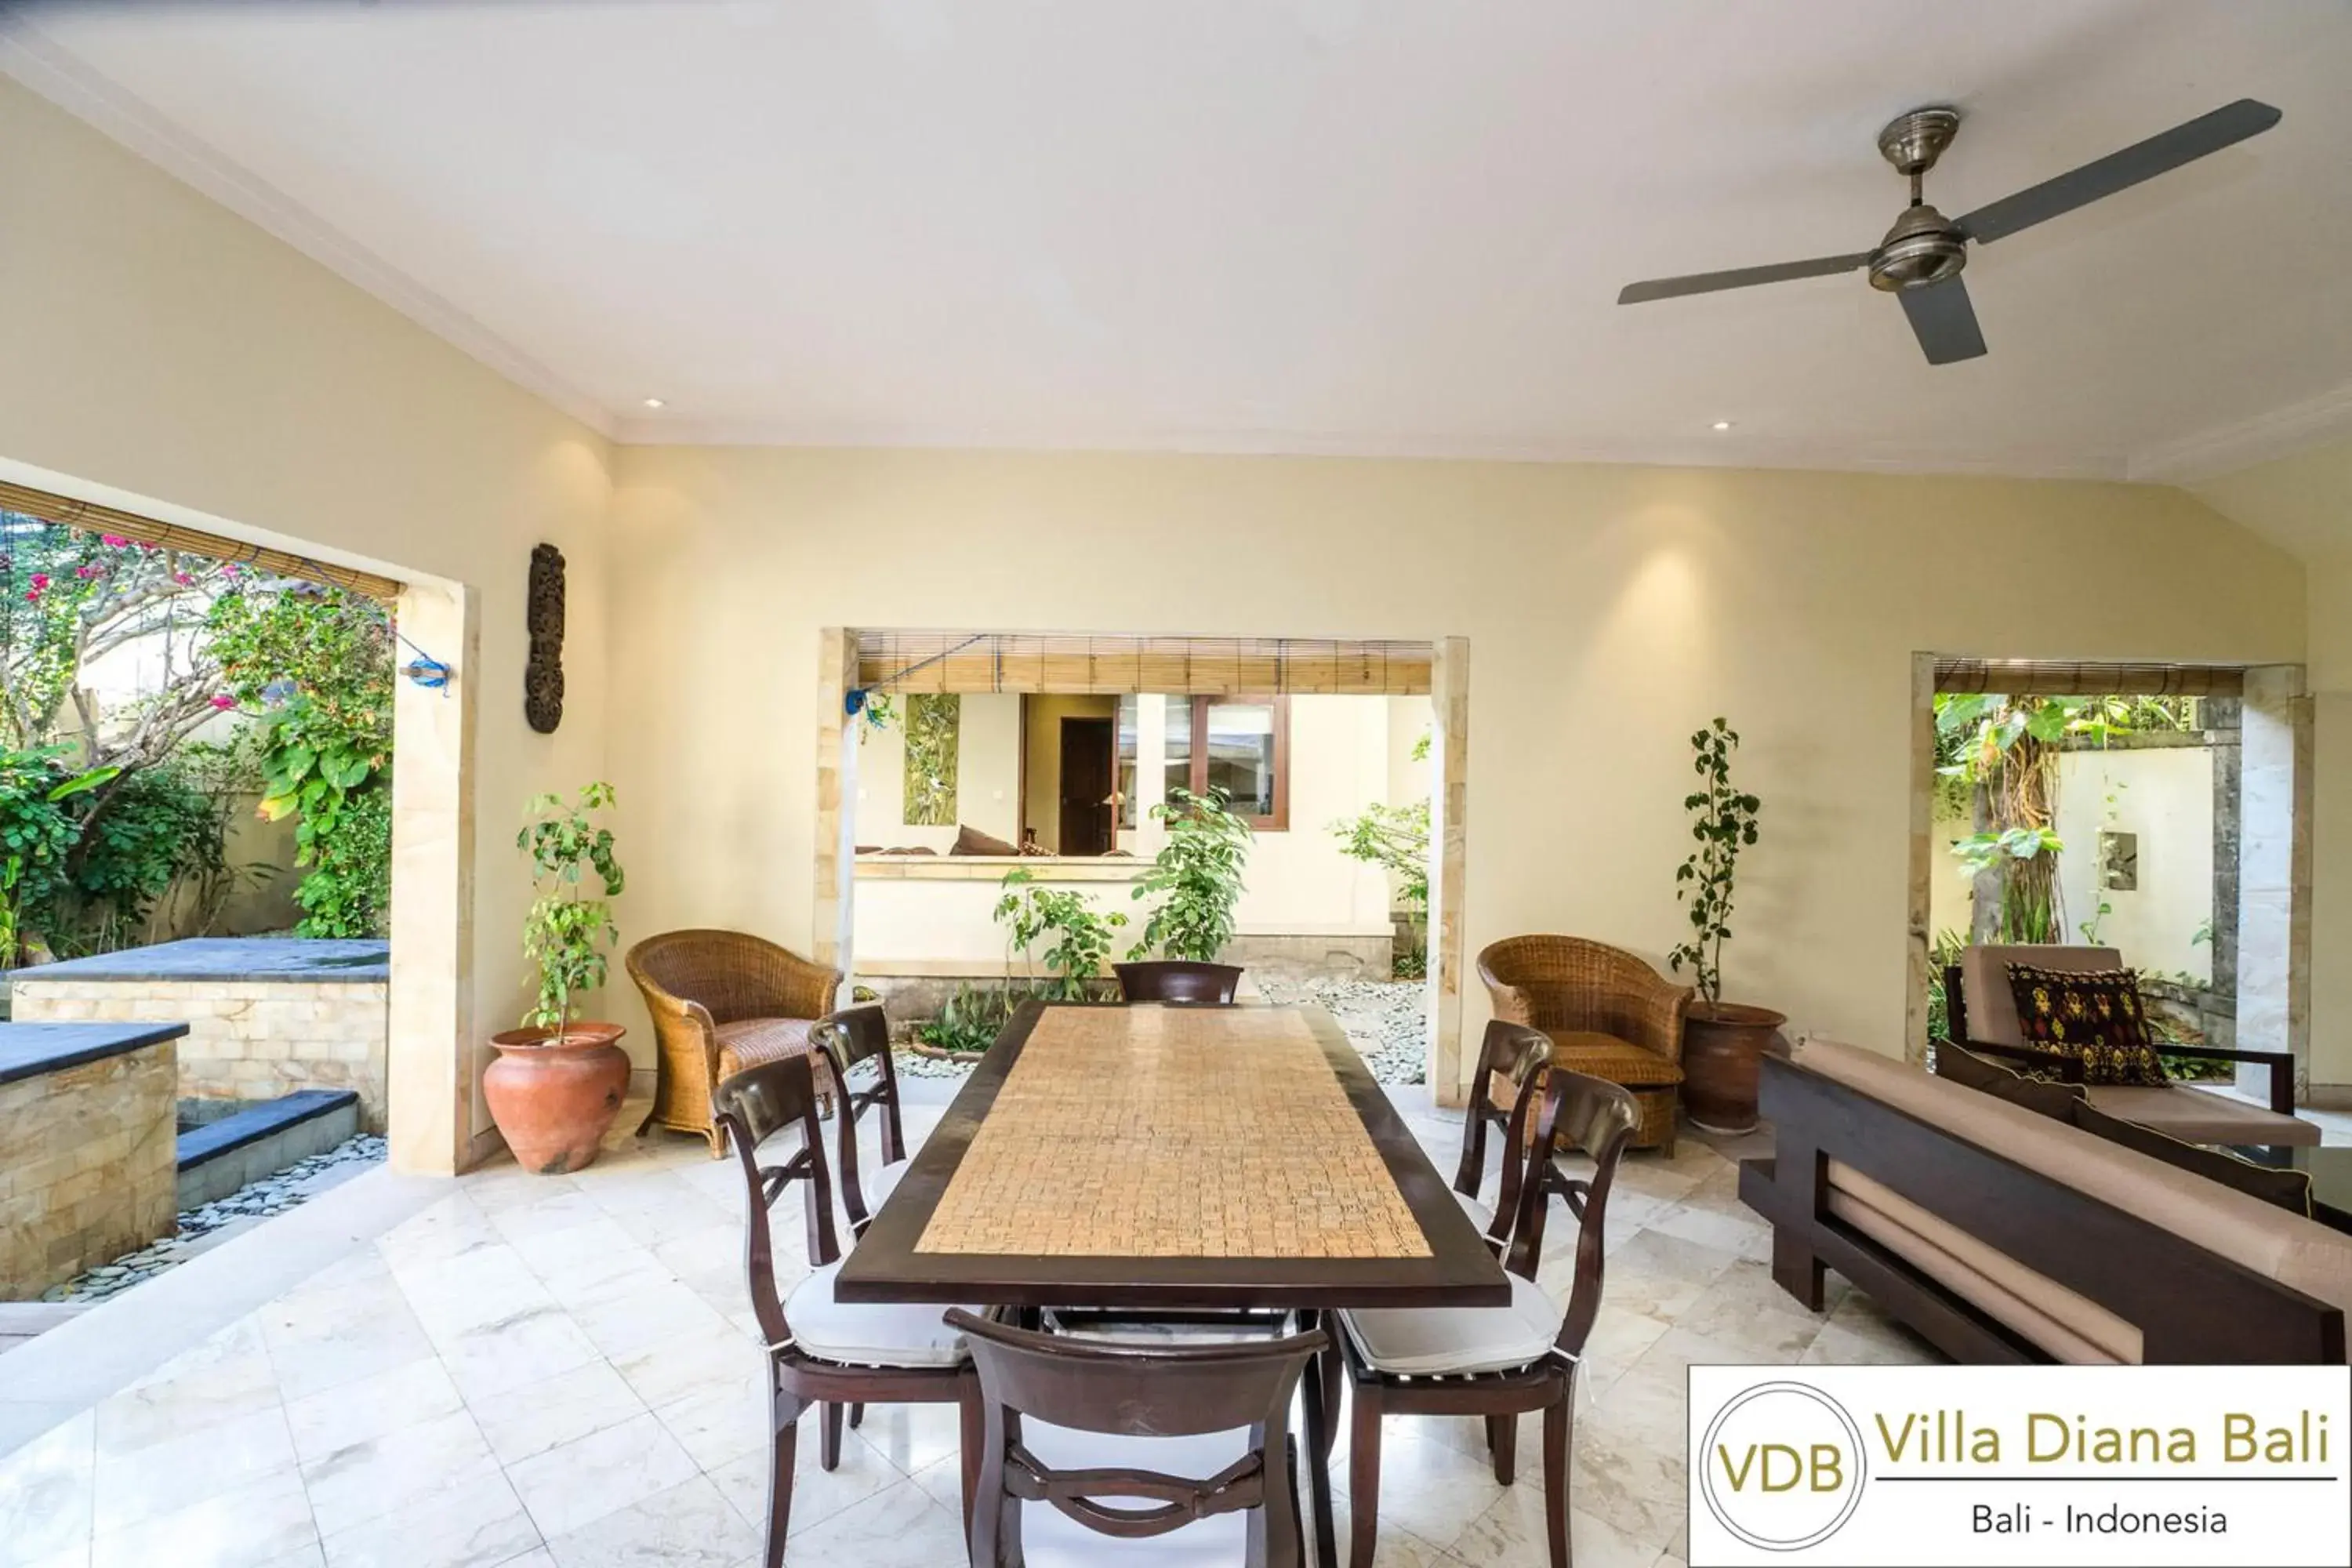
88 1147
265 1017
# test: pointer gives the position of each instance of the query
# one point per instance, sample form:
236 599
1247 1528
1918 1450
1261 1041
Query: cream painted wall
987 763
2165 796
1610 610
201 369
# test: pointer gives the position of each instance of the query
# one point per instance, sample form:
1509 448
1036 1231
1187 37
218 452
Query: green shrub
1196 876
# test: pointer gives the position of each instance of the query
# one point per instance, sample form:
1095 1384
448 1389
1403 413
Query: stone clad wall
87 1166
246 1039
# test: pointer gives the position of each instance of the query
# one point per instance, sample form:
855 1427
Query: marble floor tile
1429 1487
724 1422
818 1494
578 1259
240 1524
670 1372
910 1436
338 1418
474 1525
576 1483
499 1357
46 1490
659 1312
1514 1534
397 1470
898 1527
690 1525
327 1336
555 1410
163 1477
227 1375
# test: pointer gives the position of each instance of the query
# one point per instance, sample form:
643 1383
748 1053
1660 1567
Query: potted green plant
559 1080
1722 1041
1196 876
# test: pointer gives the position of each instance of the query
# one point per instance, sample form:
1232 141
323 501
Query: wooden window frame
1197 764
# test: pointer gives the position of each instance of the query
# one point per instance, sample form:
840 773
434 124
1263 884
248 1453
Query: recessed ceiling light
653 402
1723 425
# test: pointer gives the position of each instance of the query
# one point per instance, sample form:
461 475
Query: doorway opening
1086 754
2156 812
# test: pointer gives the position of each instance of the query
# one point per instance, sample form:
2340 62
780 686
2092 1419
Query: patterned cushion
2095 1017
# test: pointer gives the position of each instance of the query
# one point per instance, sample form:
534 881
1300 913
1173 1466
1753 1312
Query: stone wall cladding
246 1039
87 1166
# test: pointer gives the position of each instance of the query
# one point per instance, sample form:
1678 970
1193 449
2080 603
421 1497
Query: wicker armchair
1610 1015
723 1001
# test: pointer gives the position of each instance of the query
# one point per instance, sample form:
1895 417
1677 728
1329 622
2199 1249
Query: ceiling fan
1919 260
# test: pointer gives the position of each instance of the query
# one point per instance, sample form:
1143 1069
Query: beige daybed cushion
2297 1252
2071 1327
2199 1116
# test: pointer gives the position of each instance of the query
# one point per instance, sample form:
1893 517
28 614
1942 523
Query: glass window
1241 756
1239 746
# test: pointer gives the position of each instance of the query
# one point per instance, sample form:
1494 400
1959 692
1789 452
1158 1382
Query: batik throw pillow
2095 1017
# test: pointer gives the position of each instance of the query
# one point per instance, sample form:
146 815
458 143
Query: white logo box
1950 1467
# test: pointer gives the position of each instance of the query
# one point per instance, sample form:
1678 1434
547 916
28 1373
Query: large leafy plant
1724 822
315 663
1196 876
36 832
568 930
1081 933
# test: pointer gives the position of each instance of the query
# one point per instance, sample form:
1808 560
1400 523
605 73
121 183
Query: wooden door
1088 771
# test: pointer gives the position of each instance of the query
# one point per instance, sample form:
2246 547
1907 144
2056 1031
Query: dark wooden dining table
1172 1158
1157 1159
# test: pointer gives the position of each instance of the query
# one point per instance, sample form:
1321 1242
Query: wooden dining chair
1133 1392
848 1037
823 1351
1500 1362
1179 983
1518 1054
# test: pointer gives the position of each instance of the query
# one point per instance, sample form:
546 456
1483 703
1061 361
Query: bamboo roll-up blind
95 519
1077 664
2033 678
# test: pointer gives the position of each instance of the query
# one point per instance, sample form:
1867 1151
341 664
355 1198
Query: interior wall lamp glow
1721 424
655 403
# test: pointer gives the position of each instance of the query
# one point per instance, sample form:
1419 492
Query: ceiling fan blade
1738 278
2226 126
1943 320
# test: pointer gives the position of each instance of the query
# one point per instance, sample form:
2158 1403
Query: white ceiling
1309 226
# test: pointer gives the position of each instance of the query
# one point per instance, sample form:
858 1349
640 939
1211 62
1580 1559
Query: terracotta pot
555 1098
1722 1042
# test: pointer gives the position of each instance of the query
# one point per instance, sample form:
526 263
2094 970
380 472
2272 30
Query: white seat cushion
1434 1343
881 1335
1481 1215
877 1185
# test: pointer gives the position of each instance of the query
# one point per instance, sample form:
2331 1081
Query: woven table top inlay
1173 1132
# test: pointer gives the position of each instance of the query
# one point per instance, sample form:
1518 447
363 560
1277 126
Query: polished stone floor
561 1372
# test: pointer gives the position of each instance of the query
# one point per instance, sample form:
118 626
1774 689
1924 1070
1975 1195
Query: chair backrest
1170 979
1130 1390
731 974
1599 1118
1516 1052
1991 1006
848 1037
1570 982
753 1105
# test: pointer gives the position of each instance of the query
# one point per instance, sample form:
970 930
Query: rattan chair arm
1512 1004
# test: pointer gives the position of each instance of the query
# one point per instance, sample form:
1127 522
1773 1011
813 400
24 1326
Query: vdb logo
1782 1467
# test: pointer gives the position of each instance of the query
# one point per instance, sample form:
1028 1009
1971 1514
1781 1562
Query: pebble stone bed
1385 1018
255 1200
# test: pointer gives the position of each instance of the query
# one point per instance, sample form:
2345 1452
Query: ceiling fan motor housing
1923 247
